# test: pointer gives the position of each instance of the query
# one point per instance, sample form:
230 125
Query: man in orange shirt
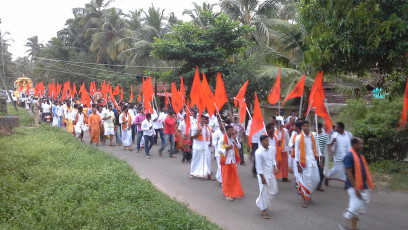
94 123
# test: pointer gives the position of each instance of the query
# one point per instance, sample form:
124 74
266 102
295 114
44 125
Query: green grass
26 119
391 174
49 180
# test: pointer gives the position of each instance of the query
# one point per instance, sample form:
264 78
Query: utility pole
3 70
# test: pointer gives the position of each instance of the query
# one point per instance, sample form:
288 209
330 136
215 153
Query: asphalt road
387 211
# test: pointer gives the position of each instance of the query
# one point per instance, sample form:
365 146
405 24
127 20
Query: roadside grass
26 119
50 180
390 174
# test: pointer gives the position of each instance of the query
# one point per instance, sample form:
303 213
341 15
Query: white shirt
310 158
46 108
132 116
146 125
265 160
342 144
126 118
80 120
230 154
182 127
287 138
59 110
158 124
214 123
256 136
73 114
205 132
216 136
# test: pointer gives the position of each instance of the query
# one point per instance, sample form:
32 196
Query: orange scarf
293 148
303 151
358 174
200 136
76 118
278 151
129 122
282 145
223 158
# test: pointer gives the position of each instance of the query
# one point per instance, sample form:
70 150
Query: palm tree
106 41
35 47
201 15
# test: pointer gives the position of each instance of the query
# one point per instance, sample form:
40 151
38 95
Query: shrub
376 123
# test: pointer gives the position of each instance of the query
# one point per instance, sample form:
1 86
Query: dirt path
388 210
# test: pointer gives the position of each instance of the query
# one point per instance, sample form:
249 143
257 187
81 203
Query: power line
147 67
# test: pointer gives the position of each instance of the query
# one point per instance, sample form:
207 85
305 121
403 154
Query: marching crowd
282 146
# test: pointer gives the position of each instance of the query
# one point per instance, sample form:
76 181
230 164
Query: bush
376 123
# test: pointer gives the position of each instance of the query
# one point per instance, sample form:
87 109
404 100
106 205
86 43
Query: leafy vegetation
26 119
376 124
391 174
51 180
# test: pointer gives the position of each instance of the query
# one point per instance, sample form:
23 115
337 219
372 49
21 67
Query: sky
27 18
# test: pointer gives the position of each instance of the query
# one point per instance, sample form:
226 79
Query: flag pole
308 110
279 107
327 108
300 107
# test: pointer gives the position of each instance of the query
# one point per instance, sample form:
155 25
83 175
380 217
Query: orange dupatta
278 150
302 149
358 174
293 148
200 136
282 145
129 122
223 158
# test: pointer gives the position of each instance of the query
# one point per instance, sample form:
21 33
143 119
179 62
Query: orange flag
242 111
74 90
257 120
241 94
182 90
116 91
220 95
403 120
316 97
28 88
131 92
274 95
166 99
297 91
139 97
176 101
195 89
208 96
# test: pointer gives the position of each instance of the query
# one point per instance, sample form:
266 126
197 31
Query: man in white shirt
158 120
217 135
341 143
147 128
284 138
60 113
201 159
254 143
109 127
266 167
182 126
306 155
46 108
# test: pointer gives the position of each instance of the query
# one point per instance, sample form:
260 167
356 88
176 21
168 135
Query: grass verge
26 119
390 174
49 180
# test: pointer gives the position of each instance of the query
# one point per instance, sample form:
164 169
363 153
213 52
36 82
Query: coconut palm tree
201 15
35 47
106 41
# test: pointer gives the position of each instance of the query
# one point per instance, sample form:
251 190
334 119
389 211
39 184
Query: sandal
265 215
229 198
304 205
191 177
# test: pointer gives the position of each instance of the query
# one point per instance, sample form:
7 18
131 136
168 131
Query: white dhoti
199 163
309 179
218 175
266 192
109 131
337 172
127 137
290 160
79 128
295 171
356 206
